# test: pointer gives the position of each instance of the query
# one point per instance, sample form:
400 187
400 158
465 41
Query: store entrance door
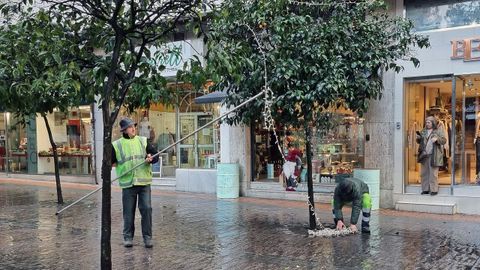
455 102
195 151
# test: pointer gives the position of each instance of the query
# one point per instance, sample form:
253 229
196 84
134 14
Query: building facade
446 85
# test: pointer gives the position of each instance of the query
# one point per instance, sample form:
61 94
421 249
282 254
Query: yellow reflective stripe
118 145
143 145
145 180
133 158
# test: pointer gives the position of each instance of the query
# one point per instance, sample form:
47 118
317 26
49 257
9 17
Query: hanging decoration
270 126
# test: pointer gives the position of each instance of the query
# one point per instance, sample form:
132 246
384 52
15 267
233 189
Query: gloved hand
353 227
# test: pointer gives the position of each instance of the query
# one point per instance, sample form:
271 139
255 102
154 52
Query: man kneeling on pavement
354 191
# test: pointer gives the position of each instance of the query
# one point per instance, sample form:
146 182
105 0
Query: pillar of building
235 148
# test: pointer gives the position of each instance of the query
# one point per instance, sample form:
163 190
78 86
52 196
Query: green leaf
57 58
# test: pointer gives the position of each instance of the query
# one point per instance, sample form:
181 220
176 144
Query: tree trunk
311 207
106 249
55 160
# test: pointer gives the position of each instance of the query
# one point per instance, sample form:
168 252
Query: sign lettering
467 49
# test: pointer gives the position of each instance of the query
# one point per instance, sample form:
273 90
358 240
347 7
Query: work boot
148 243
127 243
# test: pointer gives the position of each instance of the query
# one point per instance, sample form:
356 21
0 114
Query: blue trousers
129 200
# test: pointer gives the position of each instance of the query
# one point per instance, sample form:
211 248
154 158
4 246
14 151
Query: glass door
205 143
442 98
188 151
198 150
469 128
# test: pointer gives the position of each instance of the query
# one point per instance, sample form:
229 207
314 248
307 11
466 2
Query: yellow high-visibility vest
130 153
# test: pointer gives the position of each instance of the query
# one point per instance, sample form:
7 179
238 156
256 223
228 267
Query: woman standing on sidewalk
430 155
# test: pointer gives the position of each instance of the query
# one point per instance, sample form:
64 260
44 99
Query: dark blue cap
125 123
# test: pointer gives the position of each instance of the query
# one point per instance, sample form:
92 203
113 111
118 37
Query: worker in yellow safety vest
129 151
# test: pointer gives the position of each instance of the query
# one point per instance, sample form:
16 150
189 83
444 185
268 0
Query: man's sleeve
151 150
337 207
114 156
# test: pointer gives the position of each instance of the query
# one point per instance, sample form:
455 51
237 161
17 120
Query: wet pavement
194 231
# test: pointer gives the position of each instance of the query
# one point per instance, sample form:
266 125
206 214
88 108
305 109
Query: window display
434 98
268 159
336 152
163 125
15 145
73 135
340 150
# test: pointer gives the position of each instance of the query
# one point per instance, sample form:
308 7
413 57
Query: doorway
197 151
455 102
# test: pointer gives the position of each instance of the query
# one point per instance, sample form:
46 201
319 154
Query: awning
217 96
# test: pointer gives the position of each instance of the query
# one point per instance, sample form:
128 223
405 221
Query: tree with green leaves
121 65
314 56
38 73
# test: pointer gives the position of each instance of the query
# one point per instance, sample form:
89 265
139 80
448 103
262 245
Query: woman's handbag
422 155
422 152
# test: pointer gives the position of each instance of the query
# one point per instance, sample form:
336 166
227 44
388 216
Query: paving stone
195 231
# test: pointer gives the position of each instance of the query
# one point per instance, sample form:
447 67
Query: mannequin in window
476 142
143 129
292 165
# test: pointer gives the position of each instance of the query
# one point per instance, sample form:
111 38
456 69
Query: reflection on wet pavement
200 232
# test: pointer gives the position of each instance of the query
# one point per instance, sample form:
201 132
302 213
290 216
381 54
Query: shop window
161 124
73 134
3 149
336 152
434 14
15 145
158 125
434 98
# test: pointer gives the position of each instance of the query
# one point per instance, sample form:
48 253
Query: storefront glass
13 145
460 122
434 14
25 148
73 135
161 124
3 142
336 152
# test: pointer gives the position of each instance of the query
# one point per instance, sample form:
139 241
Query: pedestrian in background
128 152
430 155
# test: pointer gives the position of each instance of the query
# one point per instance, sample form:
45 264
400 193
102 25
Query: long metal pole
166 148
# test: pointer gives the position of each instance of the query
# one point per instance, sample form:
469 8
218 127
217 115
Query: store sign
467 49
173 56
